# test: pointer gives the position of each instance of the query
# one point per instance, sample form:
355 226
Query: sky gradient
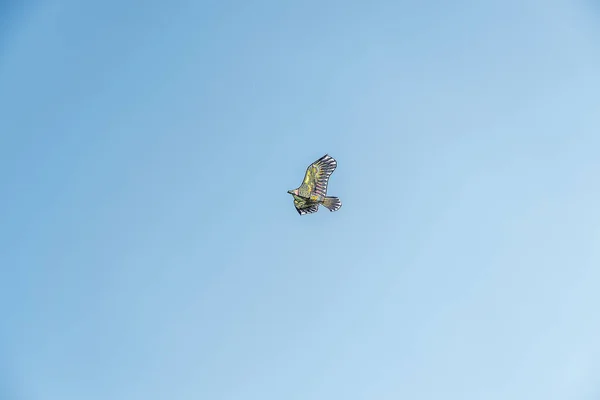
150 250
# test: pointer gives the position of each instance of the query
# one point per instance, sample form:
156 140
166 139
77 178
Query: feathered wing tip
308 210
327 164
332 203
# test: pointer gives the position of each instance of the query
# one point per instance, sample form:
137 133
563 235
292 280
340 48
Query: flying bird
313 190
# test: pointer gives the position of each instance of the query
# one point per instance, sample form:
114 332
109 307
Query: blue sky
150 250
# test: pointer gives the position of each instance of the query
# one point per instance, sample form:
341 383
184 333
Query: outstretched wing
317 176
302 208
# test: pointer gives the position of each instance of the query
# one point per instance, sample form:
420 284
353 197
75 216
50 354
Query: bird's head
295 191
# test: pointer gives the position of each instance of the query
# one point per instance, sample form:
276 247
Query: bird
313 190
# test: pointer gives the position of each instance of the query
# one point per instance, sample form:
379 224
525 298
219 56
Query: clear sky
149 249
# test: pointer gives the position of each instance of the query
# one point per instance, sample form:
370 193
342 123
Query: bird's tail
332 203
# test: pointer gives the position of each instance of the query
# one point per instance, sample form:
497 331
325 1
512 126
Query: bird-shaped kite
313 190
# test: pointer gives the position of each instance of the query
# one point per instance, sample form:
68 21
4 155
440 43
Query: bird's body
313 191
